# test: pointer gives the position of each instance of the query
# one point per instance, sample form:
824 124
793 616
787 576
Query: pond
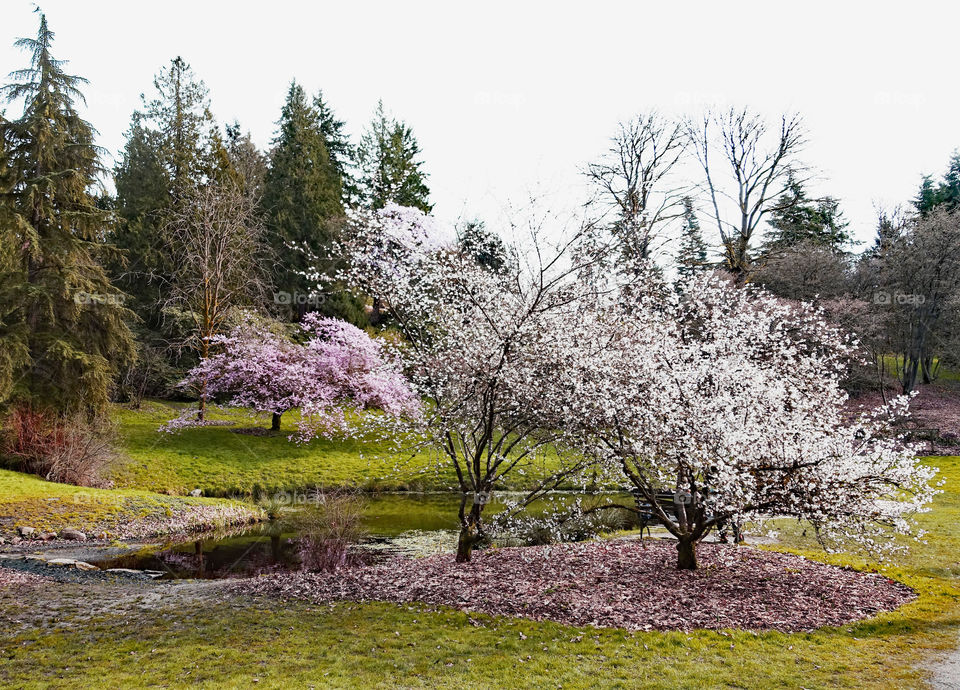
388 524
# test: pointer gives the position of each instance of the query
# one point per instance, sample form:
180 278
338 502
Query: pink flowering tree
349 372
724 404
338 369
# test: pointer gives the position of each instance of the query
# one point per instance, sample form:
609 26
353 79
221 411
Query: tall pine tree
303 207
63 319
943 194
343 156
172 148
797 219
389 158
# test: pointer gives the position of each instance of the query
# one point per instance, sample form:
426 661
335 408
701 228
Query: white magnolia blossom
722 395
494 352
731 400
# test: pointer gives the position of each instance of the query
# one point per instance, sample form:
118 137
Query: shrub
329 530
71 450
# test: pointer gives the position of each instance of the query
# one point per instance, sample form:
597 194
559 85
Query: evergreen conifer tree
797 219
389 157
64 325
303 207
692 257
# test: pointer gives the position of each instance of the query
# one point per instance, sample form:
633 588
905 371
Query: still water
390 524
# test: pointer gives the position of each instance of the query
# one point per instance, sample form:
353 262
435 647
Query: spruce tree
304 211
483 246
143 198
389 157
943 194
248 165
180 111
62 319
172 148
342 154
692 257
796 219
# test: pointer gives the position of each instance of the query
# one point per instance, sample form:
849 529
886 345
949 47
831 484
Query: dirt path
946 673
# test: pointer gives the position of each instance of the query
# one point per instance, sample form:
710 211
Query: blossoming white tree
730 400
720 394
491 351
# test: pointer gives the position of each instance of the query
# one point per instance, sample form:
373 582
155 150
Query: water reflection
409 524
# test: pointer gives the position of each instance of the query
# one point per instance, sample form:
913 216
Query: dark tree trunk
686 555
275 421
465 545
471 533
927 369
910 371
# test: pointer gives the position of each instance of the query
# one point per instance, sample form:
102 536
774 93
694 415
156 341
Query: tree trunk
465 544
927 369
275 421
686 555
910 370
471 532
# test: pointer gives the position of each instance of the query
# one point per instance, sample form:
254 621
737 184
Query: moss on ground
26 500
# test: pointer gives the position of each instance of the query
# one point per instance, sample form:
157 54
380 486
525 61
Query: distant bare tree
633 178
215 238
757 162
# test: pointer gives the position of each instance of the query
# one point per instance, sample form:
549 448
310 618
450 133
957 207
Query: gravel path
34 595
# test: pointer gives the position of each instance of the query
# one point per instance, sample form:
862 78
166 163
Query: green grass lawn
894 363
26 500
221 462
239 642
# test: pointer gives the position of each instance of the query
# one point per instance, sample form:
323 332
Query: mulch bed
935 406
621 584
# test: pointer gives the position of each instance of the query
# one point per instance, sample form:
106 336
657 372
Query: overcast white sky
509 97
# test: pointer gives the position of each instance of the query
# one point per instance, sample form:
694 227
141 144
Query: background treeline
114 291
114 295
900 294
298 195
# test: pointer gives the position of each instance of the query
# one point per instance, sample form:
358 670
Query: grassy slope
223 463
32 502
379 645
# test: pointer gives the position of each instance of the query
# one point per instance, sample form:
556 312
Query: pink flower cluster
336 369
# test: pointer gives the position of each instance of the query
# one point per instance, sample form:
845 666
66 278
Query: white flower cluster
717 392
